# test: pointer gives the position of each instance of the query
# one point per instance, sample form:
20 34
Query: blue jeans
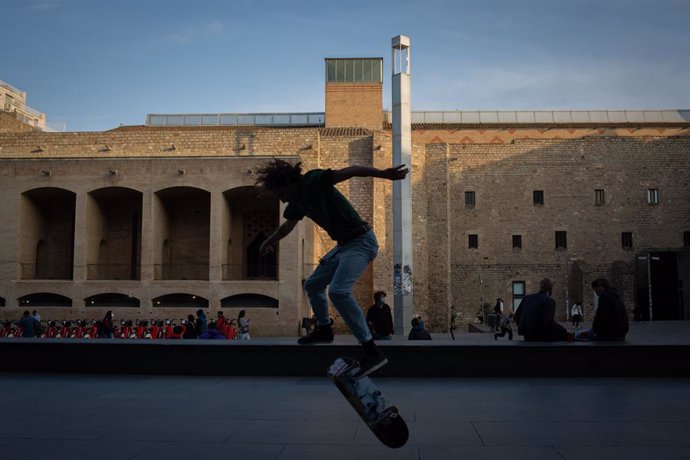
339 269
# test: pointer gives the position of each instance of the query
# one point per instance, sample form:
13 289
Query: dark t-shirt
381 318
319 200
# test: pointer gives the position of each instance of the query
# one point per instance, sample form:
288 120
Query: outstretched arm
281 232
395 173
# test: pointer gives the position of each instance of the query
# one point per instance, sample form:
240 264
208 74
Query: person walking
314 195
506 327
107 328
201 322
576 314
189 328
243 324
28 324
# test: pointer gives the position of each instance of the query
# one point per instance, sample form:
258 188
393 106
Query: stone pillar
402 190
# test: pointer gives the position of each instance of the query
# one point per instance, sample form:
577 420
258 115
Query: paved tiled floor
163 417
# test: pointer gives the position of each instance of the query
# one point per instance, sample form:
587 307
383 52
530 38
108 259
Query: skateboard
382 418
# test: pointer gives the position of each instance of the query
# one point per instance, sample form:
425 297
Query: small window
561 240
473 241
517 241
627 240
538 197
469 199
653 196
518 293
599 197
686 239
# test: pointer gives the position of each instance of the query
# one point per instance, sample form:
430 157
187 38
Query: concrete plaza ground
197 417
124 416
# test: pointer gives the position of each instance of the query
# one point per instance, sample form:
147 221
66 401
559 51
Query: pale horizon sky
96 64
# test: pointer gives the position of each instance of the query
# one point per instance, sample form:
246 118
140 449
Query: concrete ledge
281 357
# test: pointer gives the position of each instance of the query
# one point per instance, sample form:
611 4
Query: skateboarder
314 195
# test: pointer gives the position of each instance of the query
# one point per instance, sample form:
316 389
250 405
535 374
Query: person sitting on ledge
610 319
535 317
418 331
212 332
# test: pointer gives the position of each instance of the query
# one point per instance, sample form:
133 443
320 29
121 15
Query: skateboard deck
382 418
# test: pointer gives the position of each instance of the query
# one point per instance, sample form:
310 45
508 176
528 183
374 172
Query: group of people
192 328
535 317
380 321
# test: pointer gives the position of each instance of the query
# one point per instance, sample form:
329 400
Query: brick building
158 220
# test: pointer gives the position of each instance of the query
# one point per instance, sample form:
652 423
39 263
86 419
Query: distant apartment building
15 115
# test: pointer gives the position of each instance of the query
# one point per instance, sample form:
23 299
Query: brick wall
354 104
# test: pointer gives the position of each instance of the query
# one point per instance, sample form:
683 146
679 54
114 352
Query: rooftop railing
546 116
237 119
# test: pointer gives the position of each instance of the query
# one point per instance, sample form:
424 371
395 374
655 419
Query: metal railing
181 271
254 271
12 88
46 271
546 116
236 119
113 272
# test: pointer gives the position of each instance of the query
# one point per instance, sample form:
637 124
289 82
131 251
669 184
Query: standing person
506 328
314 195
380 318
222 323
28 324
35 315
611 318
498 311
201 322
535 316
576 314
418 331
189 328
107 328
243 324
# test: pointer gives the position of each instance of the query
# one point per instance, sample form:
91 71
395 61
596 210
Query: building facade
15 115
158 220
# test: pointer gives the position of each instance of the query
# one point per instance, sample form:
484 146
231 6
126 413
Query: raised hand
396 172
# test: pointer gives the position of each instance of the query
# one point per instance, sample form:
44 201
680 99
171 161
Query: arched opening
114 219
183 216
44 299
252 217
180 300
47 229
249 301
2 301
112 300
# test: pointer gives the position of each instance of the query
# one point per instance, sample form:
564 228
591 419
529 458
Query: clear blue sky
96 64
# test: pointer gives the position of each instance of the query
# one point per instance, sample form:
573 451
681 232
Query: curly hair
277 173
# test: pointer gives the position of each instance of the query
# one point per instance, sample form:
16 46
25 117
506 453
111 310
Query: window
627 240
473 241
686 239
517 241
518 293
469 199
561 240
653 196
599 197
345 70
538 197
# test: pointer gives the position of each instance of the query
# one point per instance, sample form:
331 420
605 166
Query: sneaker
321 334
370 363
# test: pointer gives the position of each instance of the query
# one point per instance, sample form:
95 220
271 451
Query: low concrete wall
405 360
